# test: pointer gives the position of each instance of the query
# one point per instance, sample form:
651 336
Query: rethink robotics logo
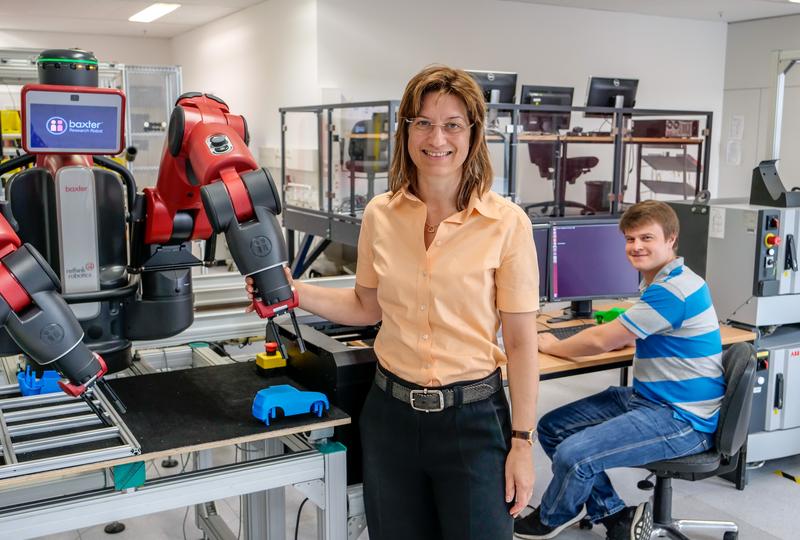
57 125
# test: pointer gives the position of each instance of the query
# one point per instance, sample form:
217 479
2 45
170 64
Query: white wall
286 53
128 50
370 48
748 97
256 60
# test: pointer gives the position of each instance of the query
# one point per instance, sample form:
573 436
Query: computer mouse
577 129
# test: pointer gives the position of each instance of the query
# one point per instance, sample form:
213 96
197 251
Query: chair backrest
739 363
542 154
576 166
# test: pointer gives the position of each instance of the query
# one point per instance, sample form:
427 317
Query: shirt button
422 307
438 242
424 336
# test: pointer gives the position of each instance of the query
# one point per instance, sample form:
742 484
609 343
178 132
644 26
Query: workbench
193 412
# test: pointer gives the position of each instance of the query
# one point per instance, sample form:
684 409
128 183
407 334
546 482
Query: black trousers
438 475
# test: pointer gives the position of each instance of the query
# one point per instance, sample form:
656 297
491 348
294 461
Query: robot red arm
38 319
209 183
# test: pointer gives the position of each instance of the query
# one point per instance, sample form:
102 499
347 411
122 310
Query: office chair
739 363
543 156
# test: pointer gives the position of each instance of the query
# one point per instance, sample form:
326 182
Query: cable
749 299
11 95
297 522
183 527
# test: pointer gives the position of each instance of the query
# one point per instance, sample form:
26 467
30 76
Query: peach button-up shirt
441 306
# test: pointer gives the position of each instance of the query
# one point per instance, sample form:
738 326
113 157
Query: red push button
772 240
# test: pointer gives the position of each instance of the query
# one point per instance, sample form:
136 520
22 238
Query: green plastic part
129 475
607 316
331 447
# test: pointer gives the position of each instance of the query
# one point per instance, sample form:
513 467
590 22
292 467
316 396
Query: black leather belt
438 399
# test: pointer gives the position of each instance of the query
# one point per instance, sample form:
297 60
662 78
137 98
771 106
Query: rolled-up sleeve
517 277
365 267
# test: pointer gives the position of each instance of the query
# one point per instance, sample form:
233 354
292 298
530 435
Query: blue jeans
615 428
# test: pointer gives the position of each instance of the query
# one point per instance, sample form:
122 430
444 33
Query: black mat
201 405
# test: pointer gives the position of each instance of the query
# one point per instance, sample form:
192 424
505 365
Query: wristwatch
529 435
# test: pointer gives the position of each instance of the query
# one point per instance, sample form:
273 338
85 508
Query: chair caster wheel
730 535
586 524
645 485
114 528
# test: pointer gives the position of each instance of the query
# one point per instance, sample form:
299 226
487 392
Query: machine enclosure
342 373
726 242
775 421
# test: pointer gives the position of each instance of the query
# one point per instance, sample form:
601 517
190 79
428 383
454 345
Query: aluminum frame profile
34 415
187 489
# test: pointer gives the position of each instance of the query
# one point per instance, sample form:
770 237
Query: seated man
672 408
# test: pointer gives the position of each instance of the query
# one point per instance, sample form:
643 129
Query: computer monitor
603 92
497 86
545 122
541 239
588 261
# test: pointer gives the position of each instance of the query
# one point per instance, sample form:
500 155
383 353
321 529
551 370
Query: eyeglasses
451 127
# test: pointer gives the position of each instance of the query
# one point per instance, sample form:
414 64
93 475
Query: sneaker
531 527
631 523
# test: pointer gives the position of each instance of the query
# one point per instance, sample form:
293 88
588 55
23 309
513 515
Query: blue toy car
288 399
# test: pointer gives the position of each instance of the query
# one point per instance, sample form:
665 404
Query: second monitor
545 122
497 86
541 239
610 92
587 262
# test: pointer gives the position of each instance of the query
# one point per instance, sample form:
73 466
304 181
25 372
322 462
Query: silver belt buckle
426 392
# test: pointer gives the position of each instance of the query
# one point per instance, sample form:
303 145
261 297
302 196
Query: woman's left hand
520 475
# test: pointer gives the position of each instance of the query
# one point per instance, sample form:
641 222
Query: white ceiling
712 10
110 17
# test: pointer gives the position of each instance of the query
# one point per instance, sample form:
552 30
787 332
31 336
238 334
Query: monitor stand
578 309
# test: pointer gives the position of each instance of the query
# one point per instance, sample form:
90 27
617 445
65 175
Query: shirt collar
476 203
668 268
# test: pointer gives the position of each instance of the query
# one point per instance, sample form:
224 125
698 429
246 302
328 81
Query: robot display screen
588 261
73 122
541 238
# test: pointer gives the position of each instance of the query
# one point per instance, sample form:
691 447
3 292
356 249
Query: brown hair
477 168
646 212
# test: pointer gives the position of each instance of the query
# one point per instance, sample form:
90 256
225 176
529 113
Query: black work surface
202 405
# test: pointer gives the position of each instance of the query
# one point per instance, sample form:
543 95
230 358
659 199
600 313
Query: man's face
647 248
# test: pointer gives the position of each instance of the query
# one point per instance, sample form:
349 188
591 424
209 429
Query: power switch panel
767 251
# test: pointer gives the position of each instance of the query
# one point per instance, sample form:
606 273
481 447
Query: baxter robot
87 264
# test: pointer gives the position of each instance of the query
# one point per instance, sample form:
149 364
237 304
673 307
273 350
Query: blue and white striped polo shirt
678 357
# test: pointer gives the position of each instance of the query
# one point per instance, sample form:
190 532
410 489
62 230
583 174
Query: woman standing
443 262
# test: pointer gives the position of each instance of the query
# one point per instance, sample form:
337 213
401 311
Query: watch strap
529 435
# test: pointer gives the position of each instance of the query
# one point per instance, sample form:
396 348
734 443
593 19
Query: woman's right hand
251 289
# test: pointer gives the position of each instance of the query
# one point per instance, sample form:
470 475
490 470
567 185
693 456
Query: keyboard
569 331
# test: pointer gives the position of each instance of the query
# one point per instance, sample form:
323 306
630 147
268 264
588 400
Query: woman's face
438 138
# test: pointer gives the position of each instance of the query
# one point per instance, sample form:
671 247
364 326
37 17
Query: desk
554 367
199 410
